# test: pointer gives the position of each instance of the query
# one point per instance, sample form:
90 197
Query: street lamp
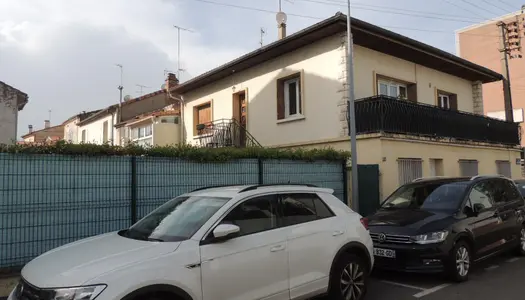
351 110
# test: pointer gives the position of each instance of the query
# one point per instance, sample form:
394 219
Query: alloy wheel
462 261
522 239
352 282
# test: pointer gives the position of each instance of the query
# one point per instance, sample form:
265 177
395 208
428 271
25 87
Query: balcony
225 133
382 114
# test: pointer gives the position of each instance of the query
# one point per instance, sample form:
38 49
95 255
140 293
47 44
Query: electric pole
178 48
351 110
263 32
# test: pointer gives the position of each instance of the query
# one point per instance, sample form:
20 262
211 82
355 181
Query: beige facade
317 72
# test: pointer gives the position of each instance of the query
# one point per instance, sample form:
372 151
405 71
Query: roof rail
431 177
256 186
487 176
214 186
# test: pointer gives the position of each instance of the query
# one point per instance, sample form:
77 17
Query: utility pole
351 109
263 32
504 53
120 87
178 48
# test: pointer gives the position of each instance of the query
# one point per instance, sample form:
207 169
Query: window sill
291 119
196 137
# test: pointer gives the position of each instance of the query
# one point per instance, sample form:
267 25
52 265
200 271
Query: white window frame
444 99
144 137
297 81
389 84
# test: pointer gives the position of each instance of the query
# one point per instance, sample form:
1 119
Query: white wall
71 133
8 121
94 130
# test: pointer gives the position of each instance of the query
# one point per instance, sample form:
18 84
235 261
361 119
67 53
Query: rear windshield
427 196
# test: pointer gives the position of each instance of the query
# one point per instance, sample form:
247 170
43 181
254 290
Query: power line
479 7
506 3
467 10
493 5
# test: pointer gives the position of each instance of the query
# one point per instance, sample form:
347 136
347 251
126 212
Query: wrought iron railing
390 115
225 133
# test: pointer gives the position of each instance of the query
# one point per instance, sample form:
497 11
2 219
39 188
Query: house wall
94 130
322 65
165 134
71 133
147 104
8 120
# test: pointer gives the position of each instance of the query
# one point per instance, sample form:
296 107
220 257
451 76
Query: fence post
345 181
133 190
261 171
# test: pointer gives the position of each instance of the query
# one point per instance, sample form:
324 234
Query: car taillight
364 221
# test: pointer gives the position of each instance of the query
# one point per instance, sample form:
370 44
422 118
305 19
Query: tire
459 262
520 250
350 274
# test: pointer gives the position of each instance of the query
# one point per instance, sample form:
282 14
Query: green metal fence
50 200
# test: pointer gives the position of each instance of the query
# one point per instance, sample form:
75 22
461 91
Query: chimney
281 24
171 81
47 124
30 127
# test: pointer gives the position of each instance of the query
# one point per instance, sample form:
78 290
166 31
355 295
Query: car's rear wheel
459 262
349 278
521 248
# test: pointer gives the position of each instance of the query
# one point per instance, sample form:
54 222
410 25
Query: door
253 265
313 231
485 225
240 114
368 181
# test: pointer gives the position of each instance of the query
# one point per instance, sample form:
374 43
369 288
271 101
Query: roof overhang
365 35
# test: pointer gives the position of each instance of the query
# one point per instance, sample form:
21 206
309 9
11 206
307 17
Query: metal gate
409 169
503 167
368 180
468 168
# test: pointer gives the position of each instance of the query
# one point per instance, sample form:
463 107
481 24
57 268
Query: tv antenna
263 33
120 87
178 47
141 88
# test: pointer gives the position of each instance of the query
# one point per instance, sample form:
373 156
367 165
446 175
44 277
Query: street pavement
498 278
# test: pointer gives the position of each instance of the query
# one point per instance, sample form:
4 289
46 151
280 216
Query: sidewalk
6 285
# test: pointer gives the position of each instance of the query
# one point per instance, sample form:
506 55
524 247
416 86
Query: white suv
221 243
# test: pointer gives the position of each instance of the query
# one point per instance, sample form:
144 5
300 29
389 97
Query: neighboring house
101 128
424 117
486 36
11 102
71 132
49 134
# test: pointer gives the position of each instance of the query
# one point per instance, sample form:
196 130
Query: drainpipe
181 101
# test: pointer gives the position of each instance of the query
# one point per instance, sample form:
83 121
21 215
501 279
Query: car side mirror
225 232
478 207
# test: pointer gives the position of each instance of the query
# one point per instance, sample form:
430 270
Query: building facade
12 101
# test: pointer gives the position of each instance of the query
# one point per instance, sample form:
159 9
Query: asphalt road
498 278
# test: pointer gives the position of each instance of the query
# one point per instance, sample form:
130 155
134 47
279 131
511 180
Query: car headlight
78 293
430 238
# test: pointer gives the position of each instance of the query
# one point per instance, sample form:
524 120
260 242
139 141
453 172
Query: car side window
254 215
500 195
300 208
480 196
511 191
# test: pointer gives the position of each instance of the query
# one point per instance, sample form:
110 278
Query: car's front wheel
349 278
459 263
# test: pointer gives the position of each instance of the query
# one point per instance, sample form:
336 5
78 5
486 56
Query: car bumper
415 258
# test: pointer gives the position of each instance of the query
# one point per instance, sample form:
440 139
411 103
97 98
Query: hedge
185 152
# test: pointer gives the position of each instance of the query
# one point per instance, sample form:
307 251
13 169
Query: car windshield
427 196
521 186
176 220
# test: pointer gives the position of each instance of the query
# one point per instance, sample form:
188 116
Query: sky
63 53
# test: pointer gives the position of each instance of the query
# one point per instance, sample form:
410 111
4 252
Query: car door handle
337 232
277 248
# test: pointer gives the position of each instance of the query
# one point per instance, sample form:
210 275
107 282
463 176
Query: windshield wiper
154 240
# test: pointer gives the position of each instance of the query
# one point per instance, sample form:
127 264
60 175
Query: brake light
364 221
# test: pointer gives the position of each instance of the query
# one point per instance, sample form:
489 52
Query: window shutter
453 102
280 100
412 92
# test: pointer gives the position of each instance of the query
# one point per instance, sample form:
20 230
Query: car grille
25 291
390 238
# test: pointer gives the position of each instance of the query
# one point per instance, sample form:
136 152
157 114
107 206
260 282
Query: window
504 191
447 100
84 136
254 215
503 168
436 167
143 135
392 89
468 168
105 132
480 196
409 169
202 115
289 97
302 208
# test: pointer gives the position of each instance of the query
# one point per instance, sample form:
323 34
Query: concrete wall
322 66
8 120
94 130
165 134
71 133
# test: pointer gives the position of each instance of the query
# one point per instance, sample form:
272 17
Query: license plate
384 253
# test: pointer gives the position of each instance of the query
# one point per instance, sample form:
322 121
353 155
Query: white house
11 102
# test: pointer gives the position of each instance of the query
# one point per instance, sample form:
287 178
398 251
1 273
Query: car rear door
509 203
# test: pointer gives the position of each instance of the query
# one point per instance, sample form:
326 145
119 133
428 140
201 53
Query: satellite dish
163 86
127 98
281 18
